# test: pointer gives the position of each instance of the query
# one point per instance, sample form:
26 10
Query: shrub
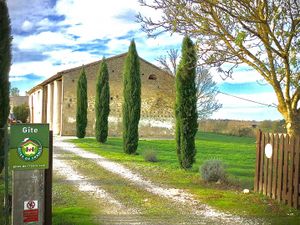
213 170
150 156
21 112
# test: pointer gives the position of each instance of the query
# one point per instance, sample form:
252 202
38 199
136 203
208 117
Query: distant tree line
242 128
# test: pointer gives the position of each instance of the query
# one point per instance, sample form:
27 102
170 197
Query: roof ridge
92 63
60 73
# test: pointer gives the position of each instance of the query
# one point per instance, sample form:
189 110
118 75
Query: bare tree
206 94
263 34
207 89
169 62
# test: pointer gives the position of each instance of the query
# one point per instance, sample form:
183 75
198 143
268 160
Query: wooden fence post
258 159
48 184
296 175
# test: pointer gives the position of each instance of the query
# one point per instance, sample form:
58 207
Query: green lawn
238 153
70 205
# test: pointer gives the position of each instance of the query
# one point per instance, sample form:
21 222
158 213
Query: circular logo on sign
30 149
31 205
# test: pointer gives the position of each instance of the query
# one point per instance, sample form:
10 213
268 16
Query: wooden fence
278 176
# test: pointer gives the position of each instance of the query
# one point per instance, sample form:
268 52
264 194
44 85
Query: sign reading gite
29 147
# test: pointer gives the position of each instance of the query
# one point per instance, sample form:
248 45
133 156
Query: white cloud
27 26
234 108
45 23
68 58
42 68
239 76
45 39
165 41
58 61
94 20
118 46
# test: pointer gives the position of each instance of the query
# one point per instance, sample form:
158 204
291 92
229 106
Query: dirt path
204 213
83 184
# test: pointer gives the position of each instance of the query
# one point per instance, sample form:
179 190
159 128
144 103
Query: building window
152 77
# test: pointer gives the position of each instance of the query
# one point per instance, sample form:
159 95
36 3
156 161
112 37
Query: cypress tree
186 105
5 61
132 100
81 114
102 103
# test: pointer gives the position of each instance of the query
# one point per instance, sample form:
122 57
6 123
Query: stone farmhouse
54 100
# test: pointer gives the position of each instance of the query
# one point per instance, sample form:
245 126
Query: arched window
152 77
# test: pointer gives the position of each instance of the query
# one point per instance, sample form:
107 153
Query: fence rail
278 176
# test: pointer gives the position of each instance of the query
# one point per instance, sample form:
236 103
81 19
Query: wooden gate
278 176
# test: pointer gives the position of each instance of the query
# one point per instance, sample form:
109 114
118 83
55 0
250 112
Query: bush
213 170
150 156
21 112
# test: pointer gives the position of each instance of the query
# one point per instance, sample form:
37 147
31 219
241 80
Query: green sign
29 146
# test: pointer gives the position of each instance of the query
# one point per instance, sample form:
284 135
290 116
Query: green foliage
5 61
213 170
21 112
150 156
132 100
186 105
14 91
82 105
240 38
102 103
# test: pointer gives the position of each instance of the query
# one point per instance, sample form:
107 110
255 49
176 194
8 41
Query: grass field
237 153
69 205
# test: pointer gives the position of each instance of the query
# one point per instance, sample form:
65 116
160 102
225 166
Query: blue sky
53 35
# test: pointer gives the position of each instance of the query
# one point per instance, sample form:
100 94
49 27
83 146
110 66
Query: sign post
29 158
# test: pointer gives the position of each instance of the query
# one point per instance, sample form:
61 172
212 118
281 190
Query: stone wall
158 95
17 101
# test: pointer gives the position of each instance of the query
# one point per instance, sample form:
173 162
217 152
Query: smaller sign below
31 211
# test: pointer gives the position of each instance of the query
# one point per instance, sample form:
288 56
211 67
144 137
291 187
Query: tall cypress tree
81 114
132 100
186 105
5 61
102 103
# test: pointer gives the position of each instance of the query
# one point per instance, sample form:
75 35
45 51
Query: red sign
31 211
31 215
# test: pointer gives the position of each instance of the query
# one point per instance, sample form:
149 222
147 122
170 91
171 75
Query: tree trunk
293 124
